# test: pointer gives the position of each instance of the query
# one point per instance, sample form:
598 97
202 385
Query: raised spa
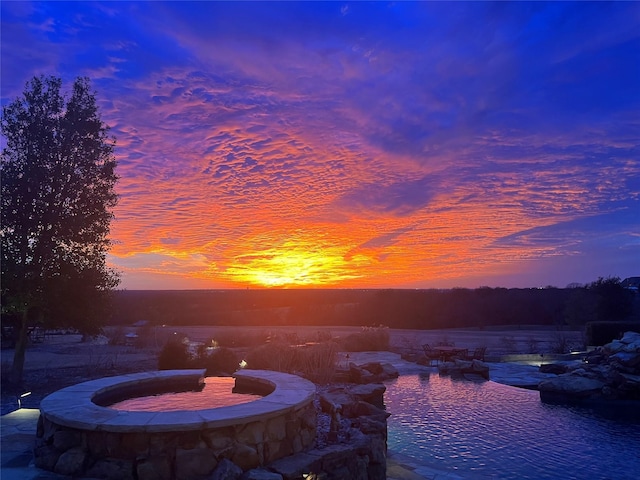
78 435
214 392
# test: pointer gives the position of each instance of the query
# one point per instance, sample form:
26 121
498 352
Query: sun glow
291 266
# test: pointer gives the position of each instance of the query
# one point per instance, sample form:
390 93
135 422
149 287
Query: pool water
488 430
217 392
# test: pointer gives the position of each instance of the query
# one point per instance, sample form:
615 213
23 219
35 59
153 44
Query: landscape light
25 394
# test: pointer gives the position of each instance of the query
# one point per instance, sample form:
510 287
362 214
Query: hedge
601 333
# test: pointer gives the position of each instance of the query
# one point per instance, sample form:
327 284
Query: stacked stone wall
272 438
78 438
179 455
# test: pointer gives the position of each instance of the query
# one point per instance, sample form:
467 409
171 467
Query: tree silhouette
58 179
613 301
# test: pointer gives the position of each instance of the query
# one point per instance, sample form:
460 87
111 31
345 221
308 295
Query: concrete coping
74 406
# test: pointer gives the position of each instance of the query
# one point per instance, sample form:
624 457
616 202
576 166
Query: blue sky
357 144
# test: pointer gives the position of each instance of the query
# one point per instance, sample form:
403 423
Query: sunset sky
356 145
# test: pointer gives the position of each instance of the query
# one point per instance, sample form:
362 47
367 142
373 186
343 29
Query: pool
488 430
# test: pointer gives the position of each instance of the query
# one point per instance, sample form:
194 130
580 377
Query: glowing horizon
356 145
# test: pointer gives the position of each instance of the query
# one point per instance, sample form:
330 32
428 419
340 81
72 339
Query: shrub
116 336
560 343
318 362
174 355
219 361
370 339
276 356
601 333
314 362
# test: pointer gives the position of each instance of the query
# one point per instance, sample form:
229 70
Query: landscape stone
459 368
372 372
332 400
372 393
362 409
111 469
555 368
360 375
245 456
154 468
370 425
295 466
226 470
609 374
626 359
389 371
572 385
65 439
261 474
251 433
71 462
46 456
375 368
277 428
194 463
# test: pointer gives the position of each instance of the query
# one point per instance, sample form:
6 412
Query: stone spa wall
78 437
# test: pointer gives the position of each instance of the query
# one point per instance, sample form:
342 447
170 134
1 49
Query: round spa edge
75 406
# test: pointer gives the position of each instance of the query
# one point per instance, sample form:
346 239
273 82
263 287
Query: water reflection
217 392
483 429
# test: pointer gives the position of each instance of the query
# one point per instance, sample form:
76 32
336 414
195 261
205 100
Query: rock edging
609 374
356 443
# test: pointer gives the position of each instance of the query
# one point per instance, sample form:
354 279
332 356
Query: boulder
359 375
358 421
627 360
610 373
556 368
360 409
595 357
46 457
372 393
154 468
71 462
374 368
296 466
572 385
245 457
226 470
480 368
630 383
372 372
112 469
629 343
332 399
63 440
371 425
460 368
261 474
194 462
389 371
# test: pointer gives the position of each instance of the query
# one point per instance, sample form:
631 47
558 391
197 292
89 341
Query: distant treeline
415 309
